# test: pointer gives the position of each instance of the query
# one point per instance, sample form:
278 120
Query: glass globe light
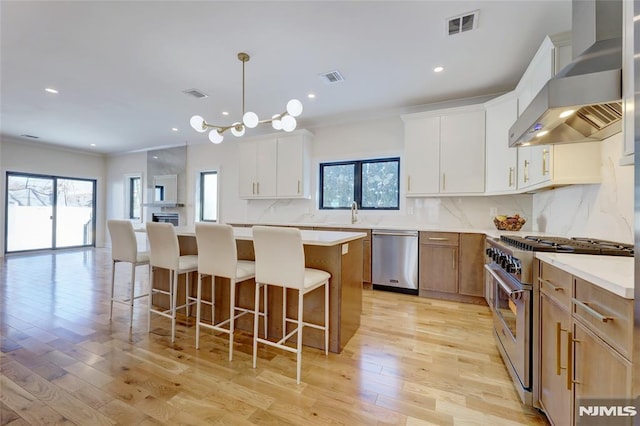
288 123
294 107
250 119
215 136
234 130
276 123
197 124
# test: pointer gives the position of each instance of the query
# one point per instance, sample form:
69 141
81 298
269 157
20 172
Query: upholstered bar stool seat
218 257
280 262
124 248
165 253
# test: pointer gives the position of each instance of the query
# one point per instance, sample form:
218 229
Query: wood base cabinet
585 339
555 384
451 266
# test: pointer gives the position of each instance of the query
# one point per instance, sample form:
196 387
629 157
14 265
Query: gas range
515 253
574 245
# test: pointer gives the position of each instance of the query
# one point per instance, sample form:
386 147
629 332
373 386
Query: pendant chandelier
284 121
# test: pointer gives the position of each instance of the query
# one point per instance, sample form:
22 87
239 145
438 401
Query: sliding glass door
48 212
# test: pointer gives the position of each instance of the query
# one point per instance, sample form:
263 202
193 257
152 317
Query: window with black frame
373 184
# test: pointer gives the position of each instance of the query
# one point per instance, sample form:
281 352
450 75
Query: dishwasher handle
395 233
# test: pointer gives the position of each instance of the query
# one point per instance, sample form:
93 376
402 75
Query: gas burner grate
569 245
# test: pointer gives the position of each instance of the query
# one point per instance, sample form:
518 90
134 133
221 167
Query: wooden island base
342 261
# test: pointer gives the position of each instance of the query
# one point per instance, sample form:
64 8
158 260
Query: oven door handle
512 292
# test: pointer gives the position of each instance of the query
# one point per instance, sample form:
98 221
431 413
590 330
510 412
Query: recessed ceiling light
93 144
567 113
174 129
311 96
542 133
225 112
50 90
438 69
155 157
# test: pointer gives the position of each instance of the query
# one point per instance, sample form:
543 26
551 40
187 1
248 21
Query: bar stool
280 262
124 248
218 257
164 252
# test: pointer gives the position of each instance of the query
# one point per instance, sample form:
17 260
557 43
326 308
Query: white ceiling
121 66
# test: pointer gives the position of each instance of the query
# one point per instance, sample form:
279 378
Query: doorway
48 212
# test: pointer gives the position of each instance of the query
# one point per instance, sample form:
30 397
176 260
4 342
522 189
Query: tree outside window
372 184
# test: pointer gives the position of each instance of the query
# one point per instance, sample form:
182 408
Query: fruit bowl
509 223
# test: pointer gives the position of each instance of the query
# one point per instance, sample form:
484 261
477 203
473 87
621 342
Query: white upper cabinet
444 151
502 161
294 166
542 166
561 164
257 168
422 154
462 152
553 54
275 166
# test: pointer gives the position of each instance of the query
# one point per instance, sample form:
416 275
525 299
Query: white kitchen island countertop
612 273
312 238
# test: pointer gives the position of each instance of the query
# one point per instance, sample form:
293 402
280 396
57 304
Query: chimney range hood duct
583 102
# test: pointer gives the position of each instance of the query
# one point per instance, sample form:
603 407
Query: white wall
599 211
381 137
30 157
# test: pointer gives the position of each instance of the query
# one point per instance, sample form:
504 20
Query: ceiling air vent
331 77
461 23
30 136
195 93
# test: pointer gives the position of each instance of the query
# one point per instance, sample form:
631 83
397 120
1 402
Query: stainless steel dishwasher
394 260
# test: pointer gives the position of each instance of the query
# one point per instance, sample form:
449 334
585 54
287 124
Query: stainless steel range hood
583 102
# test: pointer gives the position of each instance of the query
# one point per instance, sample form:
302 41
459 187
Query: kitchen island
339 253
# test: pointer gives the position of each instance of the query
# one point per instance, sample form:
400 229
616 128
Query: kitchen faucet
354 212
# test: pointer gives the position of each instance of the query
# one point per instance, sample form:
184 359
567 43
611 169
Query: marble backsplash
445 212
602 211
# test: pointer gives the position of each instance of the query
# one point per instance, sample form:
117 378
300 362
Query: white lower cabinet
275 166
444 151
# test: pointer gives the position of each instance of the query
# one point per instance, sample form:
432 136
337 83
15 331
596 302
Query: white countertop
489 232
612 273
312 238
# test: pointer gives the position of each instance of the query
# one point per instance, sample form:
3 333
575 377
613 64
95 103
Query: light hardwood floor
414 361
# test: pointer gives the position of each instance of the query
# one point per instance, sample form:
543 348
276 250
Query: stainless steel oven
511 307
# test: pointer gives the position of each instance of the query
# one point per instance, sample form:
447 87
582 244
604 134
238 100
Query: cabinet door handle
510 177
444 181
438 239
558 349
526 170
253 188
553 287
453 259
409 183
591 311
545 169
559 331
258 188
569 360
298 186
